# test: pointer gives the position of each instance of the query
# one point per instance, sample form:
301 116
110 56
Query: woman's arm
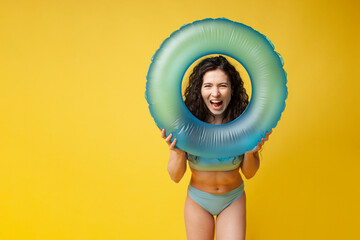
251 162
177 160
177 165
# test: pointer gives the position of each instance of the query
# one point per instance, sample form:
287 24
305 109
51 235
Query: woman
215 95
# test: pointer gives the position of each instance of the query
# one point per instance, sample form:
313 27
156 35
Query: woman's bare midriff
215 181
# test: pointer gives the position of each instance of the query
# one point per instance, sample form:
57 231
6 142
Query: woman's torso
215 176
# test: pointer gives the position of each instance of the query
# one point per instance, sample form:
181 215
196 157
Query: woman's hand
171 144
261 143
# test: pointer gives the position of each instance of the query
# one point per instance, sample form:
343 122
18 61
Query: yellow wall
81 158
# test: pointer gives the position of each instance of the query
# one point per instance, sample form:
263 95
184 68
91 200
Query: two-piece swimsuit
215 203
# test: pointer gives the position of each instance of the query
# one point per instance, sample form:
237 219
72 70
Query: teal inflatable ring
216 36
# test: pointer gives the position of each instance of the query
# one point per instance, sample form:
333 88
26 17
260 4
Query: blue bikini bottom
215 203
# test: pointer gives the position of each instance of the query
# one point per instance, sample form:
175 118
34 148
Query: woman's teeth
216 103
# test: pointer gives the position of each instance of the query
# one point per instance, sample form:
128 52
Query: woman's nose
215 92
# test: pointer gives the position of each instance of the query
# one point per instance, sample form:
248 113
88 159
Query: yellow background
81 158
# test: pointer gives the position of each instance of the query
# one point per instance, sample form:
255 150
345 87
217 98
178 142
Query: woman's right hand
171 144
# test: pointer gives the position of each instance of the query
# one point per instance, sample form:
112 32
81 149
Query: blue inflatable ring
216 36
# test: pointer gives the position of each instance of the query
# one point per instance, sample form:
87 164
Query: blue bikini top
214 164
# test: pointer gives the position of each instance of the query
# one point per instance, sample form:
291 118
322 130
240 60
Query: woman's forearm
250 164
177 165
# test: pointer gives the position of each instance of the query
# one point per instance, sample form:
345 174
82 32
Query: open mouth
216 104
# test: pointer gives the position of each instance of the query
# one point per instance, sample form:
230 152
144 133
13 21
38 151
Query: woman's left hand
261 143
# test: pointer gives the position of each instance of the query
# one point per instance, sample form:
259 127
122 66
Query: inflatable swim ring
216 36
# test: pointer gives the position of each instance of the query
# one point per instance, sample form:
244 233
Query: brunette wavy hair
194 101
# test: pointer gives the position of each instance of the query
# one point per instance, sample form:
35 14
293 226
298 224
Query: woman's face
216 92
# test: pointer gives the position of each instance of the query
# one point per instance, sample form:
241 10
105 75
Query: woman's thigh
231 222
198 222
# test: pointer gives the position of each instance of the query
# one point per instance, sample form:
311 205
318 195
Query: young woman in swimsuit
215 95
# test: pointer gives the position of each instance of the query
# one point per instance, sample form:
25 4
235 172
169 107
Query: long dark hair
194 101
